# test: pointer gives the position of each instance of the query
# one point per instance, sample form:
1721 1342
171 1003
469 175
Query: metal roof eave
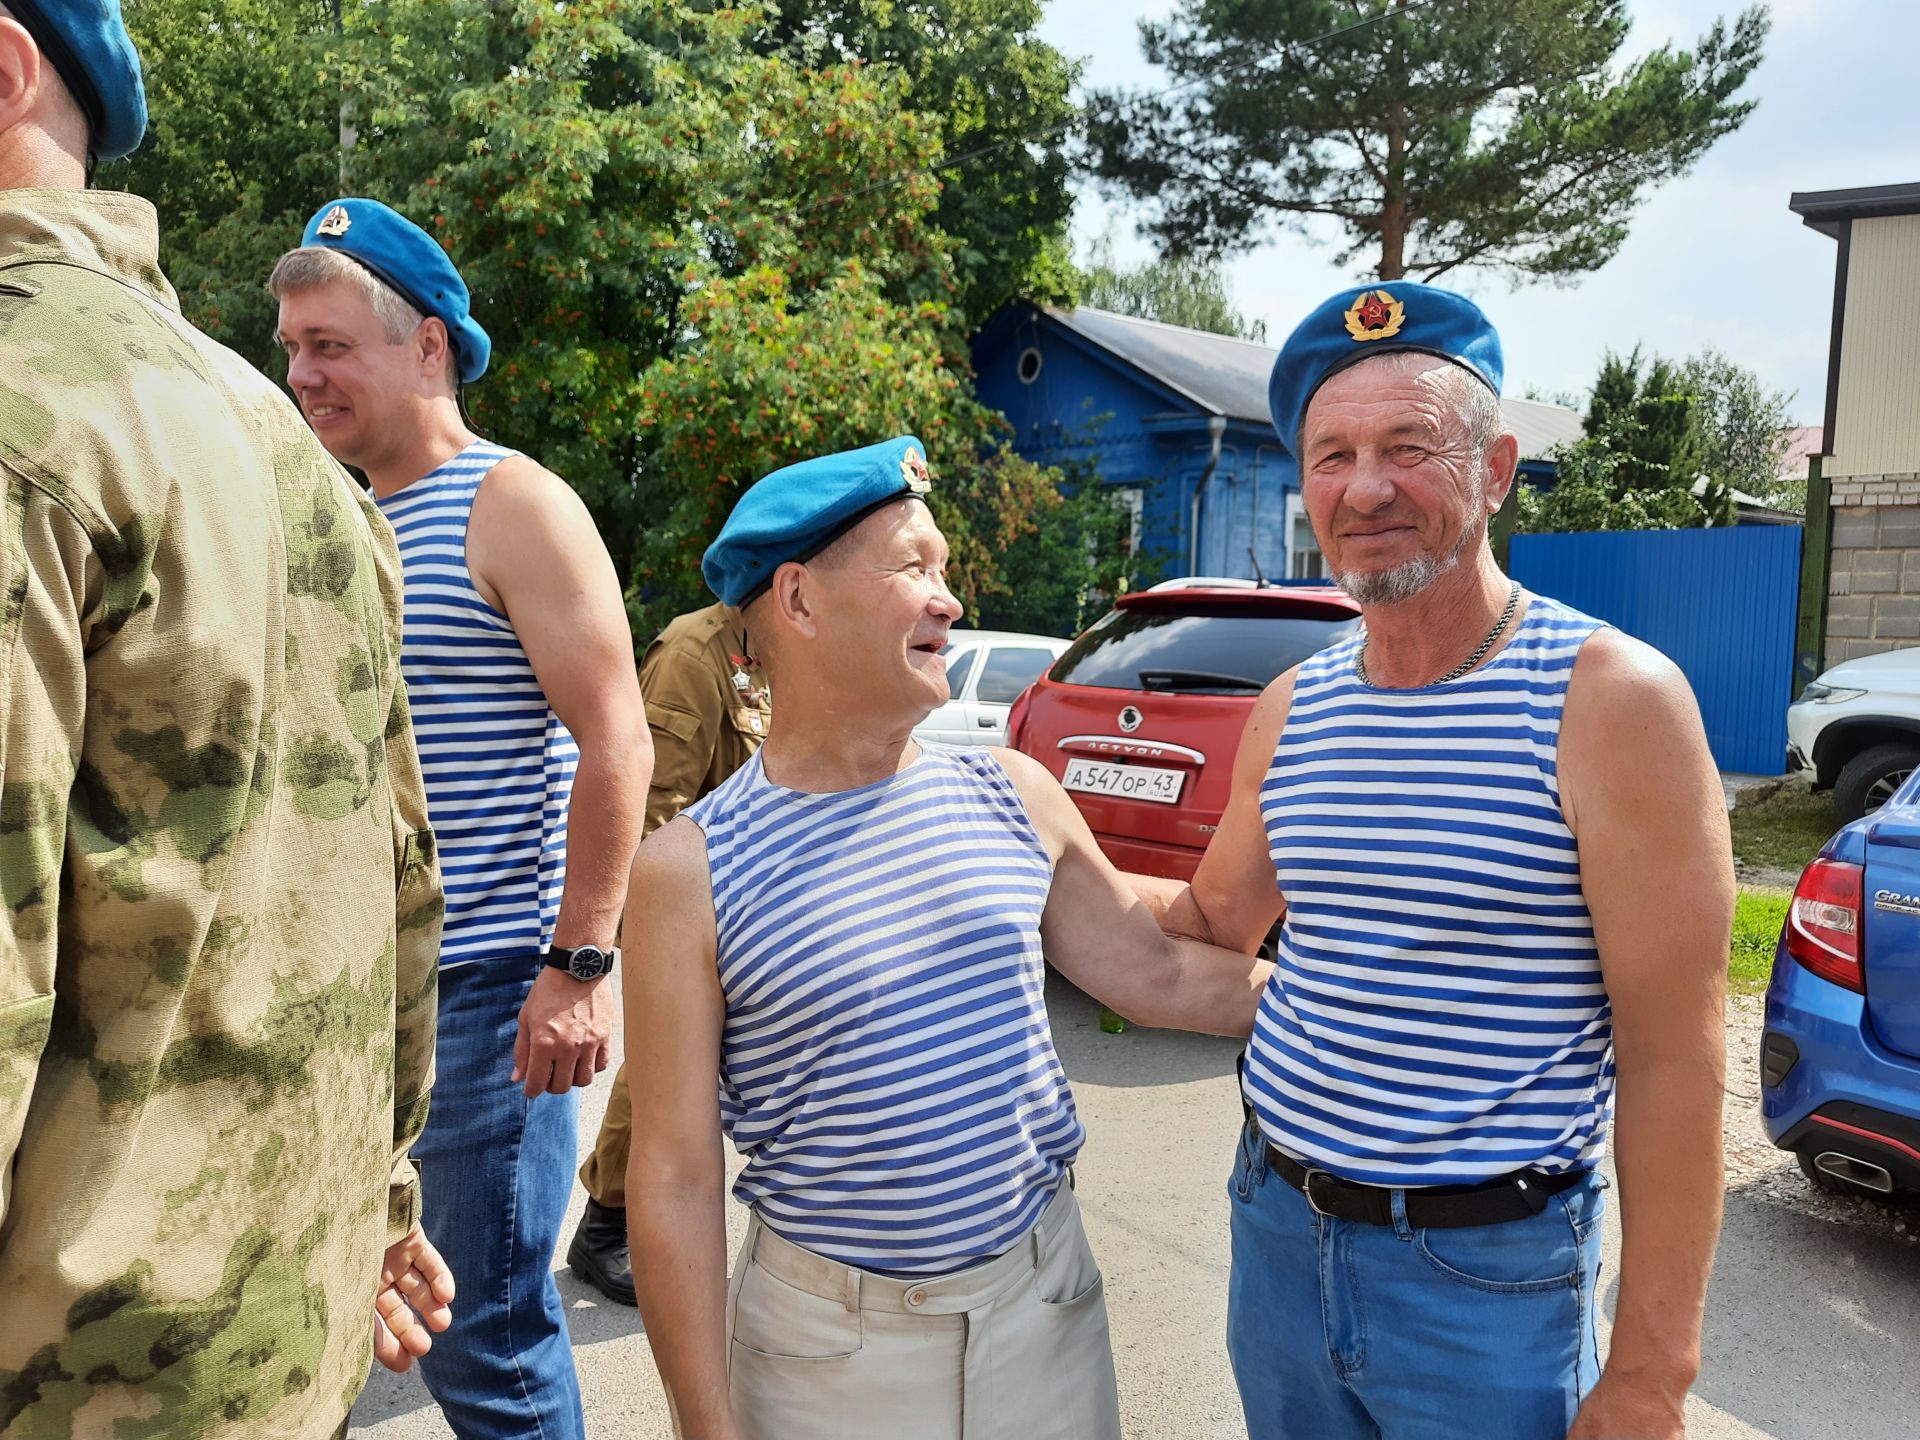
1092 348
1827 210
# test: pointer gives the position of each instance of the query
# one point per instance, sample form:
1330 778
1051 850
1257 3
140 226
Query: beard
1398 583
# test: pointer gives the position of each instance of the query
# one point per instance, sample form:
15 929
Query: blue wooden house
1174 421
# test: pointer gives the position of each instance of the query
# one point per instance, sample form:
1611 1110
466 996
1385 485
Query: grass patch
1784 831
1757 918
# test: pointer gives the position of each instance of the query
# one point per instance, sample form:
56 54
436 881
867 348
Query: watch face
589 962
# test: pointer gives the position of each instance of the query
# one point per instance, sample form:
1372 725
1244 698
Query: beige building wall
1876 425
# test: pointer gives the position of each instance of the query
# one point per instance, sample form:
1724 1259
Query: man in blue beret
534 742
221 904
1498 841
849 935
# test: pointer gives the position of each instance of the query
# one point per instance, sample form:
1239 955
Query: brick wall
1874 585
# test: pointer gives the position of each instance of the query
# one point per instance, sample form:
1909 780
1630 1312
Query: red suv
1141 718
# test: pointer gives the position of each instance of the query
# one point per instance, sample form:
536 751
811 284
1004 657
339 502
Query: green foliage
1488 132
1757 920
1655 429
1743 428
1650 423
1179 291
1782 832
244 98
978 70
1061 573
685 228
1594 489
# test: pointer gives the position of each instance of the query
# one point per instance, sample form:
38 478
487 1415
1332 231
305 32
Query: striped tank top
498 763
1436 1015
886 1065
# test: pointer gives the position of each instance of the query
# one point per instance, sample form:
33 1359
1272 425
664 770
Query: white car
986 671
1856 730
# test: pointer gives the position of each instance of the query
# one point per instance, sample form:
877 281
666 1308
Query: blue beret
1371 320
793 513
412 262
88 46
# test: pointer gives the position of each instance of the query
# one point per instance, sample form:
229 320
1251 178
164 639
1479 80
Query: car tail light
1017 718
1823 923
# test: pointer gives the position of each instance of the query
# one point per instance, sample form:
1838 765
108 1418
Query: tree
242 145
1593 490
1743 428
999 93
1656 432
1648 420
699 258
1177 291
1483 132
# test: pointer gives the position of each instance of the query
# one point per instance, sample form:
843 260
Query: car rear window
1009 670
1196 650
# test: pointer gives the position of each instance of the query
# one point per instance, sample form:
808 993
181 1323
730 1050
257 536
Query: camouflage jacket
221 906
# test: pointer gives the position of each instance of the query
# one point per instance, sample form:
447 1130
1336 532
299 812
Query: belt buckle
1306 1189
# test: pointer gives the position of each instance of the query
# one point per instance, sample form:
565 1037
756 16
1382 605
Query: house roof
1803 442
1223 375
1824 210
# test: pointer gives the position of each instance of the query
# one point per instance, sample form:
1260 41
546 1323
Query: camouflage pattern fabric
221 905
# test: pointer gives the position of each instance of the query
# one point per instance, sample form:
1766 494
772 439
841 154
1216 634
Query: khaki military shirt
221 904
707 705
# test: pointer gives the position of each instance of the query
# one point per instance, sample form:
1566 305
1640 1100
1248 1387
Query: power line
1053 131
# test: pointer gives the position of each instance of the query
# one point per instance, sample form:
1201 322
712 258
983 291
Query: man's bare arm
1640 792
1104 938
537 557
1233 900
676 1176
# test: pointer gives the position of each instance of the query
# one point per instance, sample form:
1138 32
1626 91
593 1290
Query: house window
1027 367
1133 499
1304 560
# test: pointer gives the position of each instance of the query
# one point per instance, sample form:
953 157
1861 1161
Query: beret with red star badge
1378 319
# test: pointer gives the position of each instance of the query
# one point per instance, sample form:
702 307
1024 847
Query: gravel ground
1759 1172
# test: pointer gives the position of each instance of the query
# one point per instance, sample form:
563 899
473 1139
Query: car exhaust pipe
1855 1172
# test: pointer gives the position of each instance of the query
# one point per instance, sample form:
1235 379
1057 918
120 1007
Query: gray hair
312 266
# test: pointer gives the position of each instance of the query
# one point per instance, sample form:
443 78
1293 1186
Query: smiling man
1497 836
848 936
536 754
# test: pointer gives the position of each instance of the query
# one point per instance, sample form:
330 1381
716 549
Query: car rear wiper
1195 680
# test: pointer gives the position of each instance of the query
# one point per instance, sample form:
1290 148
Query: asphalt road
1811 1329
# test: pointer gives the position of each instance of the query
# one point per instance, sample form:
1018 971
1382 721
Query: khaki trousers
605 1174
1012 1349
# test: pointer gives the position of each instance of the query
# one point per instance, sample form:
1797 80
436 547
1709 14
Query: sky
1714 257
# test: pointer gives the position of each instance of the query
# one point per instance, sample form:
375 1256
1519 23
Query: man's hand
1631 1408
565 1027
416 1289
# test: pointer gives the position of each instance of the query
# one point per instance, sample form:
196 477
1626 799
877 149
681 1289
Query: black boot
599 1253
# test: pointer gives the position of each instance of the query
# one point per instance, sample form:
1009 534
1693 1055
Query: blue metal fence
1721 604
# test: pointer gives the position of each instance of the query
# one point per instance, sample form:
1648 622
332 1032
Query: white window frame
1296 513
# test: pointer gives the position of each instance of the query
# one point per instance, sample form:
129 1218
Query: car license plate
1129 782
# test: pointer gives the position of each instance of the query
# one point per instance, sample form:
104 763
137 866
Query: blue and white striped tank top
497 761
886 1065
1437 1015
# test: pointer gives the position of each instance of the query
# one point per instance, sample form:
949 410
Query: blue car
1840 1055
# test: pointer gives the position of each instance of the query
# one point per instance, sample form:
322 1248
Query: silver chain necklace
1479 653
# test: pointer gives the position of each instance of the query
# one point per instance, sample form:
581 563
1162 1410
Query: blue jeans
495 1172
1340 1330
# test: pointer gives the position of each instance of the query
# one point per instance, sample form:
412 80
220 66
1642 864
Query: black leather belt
1519 1196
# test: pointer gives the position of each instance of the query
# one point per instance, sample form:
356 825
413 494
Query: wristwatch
583 962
